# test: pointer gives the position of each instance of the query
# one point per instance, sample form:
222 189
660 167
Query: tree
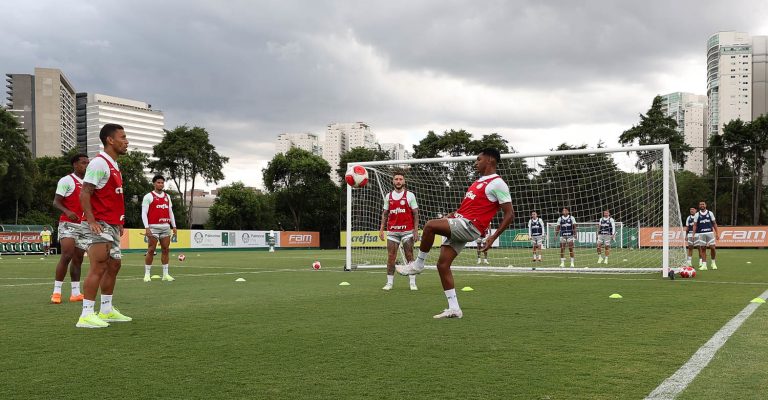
49 171
303 189
759 149
735 140
135 185
16 167
717 164
238 207
359 154
184 155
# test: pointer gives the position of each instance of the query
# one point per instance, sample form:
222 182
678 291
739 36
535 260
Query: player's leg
562 252
447 254
67 251
392 247
431 228
712 254
98 254
702 255
607 252
165 248
479 260
570 250
149 257
75 266
599 250
108 312
408 252
690 251
485 255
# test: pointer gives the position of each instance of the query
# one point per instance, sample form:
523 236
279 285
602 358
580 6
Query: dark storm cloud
249 70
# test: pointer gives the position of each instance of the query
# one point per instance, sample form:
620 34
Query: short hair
396 173
157 178
77 158
491 152
566 208
107 131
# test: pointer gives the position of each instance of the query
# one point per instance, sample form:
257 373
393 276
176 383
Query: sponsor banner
20 237
728 236
219 239
299 239
136 239
372 239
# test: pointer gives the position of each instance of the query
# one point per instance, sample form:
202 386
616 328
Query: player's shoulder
66 180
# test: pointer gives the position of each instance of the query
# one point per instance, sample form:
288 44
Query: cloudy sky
537 72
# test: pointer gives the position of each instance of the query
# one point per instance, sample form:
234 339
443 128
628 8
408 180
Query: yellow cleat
115 316
91 321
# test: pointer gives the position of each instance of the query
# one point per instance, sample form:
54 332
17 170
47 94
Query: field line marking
679 381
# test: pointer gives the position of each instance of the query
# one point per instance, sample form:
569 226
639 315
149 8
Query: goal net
635 184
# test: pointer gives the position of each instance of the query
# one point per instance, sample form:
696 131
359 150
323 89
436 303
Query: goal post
635 184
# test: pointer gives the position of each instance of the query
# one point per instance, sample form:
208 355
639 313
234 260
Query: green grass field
290 332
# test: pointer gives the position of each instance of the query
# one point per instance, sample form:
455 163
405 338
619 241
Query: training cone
749 262
615 296
155 277
758 300
467 289
240 280
344 284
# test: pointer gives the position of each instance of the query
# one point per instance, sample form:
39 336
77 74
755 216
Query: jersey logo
119 190
397 211
480 186
402 202
162 206
470 195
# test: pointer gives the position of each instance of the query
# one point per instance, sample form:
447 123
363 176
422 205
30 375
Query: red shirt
72 202
400 214
159 210
477 208
107 203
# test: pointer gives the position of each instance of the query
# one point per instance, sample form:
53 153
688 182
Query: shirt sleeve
712 215
613 226
97 173
65 187
386 203
412 200
530 223
498 191
145 209
170 211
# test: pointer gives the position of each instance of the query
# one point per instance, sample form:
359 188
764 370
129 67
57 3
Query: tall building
305 141
760 83
690 112
396 151
729 79
45 105
340 138
143 125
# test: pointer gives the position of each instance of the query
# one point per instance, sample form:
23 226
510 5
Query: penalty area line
679 381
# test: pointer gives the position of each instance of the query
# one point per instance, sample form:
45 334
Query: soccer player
705 228
400 216
102 200
159 225
536 234
480 204
481 249
606 233
45 239
690 241
71 235
566 228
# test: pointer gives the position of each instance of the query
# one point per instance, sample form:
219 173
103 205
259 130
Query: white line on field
679 381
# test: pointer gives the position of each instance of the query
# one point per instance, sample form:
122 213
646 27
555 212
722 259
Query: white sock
412 279
147 269
390 279
688 259
165 269
539 256
562 259
571 260
453 302
106 304
606 258
57 286
87 307
75 288
421 258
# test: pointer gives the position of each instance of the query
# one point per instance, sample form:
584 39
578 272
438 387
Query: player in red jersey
481 203
104 208
159 225
71 235
400 217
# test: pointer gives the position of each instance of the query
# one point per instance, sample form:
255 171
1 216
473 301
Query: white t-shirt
66 185
147 201
398 196
98 172
497 190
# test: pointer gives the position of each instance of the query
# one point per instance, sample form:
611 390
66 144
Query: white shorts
604 240
690 241
400 237
567 239
537 240
462 231
705 239
109 234
71 230
161 231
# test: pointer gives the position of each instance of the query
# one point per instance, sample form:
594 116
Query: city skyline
578 73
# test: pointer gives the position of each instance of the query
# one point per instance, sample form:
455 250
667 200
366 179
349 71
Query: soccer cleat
703 267
534 260
388 286
449 313
599 260
409 269
115 316
562 264
74 299
168 278
479 261
714 266
56 298
671 274
147 278
414 287
486 261
605 261
572 265
91 321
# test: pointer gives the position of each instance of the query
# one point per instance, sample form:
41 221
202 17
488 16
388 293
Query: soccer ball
182 257
356 176
316 265
687 272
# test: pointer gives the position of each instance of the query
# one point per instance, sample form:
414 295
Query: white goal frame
665 165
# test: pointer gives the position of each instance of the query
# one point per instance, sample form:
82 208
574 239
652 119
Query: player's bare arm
384 215
59 205
509 215
415 225
85 201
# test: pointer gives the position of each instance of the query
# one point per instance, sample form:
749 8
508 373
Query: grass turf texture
291 332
